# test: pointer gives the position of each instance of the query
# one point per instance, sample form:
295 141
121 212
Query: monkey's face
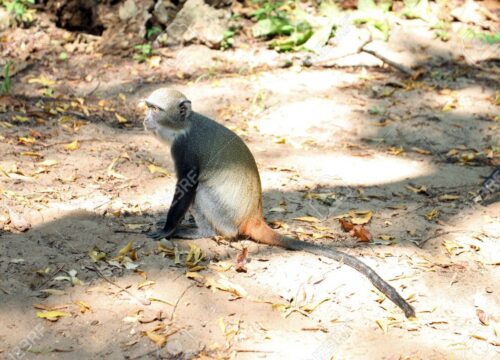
151 119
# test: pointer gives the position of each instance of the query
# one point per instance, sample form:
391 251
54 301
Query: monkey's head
167 108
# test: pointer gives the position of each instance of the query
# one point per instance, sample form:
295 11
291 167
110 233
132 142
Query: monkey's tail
261 232
356 264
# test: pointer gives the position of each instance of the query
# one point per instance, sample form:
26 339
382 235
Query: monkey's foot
192 233
159 234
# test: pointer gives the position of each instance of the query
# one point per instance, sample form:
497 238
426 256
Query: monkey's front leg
185 191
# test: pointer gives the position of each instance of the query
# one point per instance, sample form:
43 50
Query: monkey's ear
185 109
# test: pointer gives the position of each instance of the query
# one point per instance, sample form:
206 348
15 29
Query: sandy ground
326 141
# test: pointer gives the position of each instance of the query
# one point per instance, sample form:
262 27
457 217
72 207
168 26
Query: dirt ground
83 179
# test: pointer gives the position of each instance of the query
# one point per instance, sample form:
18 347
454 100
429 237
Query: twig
395 65
179 299
143 301
5 291
420 244
79 140
54 273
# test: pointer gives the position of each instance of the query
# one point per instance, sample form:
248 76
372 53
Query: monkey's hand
160 234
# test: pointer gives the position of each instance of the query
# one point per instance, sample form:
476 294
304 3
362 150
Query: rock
198 22
4 20
128 10
160 12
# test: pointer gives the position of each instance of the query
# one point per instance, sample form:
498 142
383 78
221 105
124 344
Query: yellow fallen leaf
157 169
386 237
417 189
52 315
120 118
308 219
84 307
145 284
224 284
126 249
431 215
20 118
53 292
360 217
194 256
97 255
75 145
157 299
42 80
111 171
31 153
48 162
396 150
383 324
448 197
26 140
421 151
159 340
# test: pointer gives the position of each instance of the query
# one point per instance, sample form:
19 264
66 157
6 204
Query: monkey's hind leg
203 229
213 213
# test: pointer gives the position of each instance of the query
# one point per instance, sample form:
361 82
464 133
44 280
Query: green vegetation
143 52
20 9
6 85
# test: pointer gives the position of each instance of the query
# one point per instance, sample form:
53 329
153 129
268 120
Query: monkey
218 183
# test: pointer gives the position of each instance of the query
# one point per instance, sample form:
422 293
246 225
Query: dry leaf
48 162
145 284
126 249
31 153
361 233
383 324
52 315
96 254
157 169
448 197
194 256
421 151
75 145
360 217
483 318
42 80
121 119
346 225
417 190
308 219
112 173
431 215
84 307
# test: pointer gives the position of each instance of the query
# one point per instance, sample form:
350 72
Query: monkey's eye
154 109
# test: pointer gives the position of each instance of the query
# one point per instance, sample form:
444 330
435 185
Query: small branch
54 273
421 244
389 62
5 291
179 299
143 301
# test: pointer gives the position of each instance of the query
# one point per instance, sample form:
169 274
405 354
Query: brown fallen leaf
361 233
241 260
346 225
483 317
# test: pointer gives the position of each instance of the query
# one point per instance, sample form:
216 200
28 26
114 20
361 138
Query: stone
4 20
200 23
